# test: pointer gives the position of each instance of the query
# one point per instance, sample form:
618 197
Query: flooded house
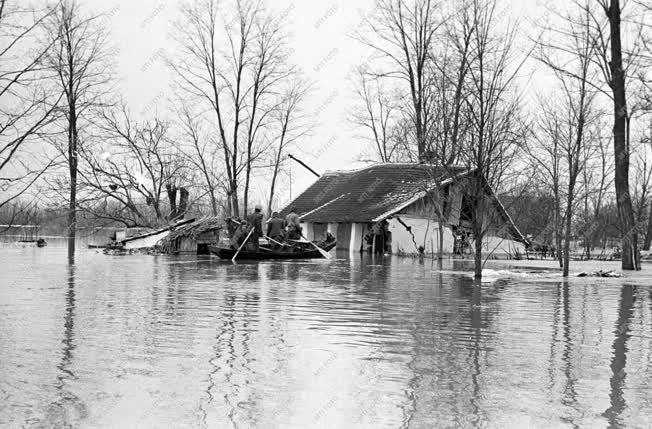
407 202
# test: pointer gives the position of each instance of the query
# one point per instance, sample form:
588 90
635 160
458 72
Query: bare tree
126 178
270 69
614 71
545 155
27 105
291 125
237 83
642 186
377 115
79 62
449 69
570 57
201 152
597 178
404 33
492 114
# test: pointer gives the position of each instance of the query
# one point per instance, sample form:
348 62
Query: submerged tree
615 75
79 63
493 114
569 55
232 62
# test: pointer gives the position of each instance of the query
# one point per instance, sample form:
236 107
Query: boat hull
228 253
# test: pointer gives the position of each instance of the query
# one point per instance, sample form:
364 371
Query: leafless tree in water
493 112
611 53
233 62
80 62
568 51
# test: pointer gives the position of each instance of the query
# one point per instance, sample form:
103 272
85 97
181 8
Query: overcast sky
322 47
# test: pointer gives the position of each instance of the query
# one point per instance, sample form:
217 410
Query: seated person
276 227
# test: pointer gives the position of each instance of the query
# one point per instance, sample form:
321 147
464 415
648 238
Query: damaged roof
365 195
377 192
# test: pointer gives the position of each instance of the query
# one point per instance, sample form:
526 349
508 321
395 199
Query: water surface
164 341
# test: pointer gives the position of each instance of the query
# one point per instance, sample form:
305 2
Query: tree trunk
172 197
229 209
558 240
440 253
72 169
272 190
235 206
629 236
477 256
246 192
478 234
183 202
567 235
213 201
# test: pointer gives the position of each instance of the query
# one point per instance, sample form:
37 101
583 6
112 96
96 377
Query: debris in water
600 273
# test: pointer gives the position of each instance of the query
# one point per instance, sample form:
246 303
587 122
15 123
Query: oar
322 251
274 241
242 245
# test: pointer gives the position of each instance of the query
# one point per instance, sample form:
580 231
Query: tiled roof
366 194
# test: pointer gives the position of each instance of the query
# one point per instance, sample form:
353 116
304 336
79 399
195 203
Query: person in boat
276 228
328 238
293 225
234 232
255 220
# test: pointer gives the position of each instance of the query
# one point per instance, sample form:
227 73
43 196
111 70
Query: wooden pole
322 251
242 245
274 241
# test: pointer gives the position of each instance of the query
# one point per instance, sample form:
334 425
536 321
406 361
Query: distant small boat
98 246
39 243
298 250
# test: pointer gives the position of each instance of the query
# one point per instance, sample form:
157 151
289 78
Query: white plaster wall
332 228
357 230
146 241
426 234
501 246
308 231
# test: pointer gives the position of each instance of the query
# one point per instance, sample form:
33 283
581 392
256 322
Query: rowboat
296 250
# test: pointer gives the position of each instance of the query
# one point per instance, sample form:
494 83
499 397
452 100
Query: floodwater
162 341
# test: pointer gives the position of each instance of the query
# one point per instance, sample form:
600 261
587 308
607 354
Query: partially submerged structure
186 236
194 237
410 200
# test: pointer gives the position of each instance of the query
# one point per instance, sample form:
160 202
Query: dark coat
256 219
275 227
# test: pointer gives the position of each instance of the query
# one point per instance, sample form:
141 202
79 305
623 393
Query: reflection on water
141 341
